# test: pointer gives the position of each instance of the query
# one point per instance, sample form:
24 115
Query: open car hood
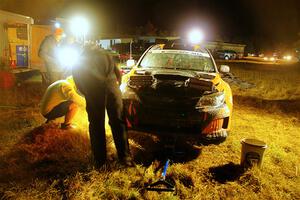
171 82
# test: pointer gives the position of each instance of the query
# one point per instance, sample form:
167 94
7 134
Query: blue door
22 55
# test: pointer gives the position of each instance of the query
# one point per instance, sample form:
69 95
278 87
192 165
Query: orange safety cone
13 64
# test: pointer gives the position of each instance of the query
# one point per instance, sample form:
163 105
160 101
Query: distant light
272 59
266 58
57 25
288 57
79 26
196 36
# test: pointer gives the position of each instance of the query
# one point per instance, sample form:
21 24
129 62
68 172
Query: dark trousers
107 96
58 111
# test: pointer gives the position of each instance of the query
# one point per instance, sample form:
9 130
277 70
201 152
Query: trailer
15 40
19 44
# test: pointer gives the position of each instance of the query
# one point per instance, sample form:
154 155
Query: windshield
178 59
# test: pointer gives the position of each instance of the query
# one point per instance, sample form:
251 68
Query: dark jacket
47 52
95 67
96 77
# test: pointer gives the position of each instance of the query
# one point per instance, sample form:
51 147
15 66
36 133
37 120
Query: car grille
140 81
169 118
168 104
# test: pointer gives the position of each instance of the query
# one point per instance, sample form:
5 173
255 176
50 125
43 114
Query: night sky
265 24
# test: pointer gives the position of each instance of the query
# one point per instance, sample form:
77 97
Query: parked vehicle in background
270 58
124 69
124 50
251 55
225 54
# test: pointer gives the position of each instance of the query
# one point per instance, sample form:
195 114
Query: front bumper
209 122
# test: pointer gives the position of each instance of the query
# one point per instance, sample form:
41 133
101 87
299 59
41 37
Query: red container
7 80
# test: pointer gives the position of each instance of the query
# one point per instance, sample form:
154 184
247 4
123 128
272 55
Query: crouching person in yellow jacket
61 99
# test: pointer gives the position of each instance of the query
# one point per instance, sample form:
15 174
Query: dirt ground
44 162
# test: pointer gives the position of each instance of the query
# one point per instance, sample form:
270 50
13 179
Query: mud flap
131 115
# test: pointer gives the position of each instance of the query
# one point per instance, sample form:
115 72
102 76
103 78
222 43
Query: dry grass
273 82
47 163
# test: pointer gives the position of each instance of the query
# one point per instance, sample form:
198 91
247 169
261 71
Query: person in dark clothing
98 79
47 52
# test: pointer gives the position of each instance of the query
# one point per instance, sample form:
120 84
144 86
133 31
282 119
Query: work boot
99 164
127 162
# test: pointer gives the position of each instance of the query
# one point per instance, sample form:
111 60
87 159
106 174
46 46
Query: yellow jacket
59 92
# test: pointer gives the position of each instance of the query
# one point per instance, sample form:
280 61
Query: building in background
20 39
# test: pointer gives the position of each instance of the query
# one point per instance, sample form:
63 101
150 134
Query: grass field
43 162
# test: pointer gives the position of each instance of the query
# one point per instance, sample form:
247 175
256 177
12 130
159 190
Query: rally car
177 89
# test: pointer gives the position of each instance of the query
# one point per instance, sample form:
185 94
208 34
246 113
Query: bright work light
79 26
68 57
196 36
57 25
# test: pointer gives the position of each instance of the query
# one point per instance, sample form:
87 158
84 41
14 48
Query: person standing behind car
98 79
47 52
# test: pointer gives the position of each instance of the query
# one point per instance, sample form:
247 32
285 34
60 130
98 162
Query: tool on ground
162 185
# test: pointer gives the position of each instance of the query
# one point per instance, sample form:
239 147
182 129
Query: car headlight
211 100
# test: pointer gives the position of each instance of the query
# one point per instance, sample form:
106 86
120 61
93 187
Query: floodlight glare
57 25
79 26
68 57
196 36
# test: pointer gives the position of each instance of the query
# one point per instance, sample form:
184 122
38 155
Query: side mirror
224 69
130 63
